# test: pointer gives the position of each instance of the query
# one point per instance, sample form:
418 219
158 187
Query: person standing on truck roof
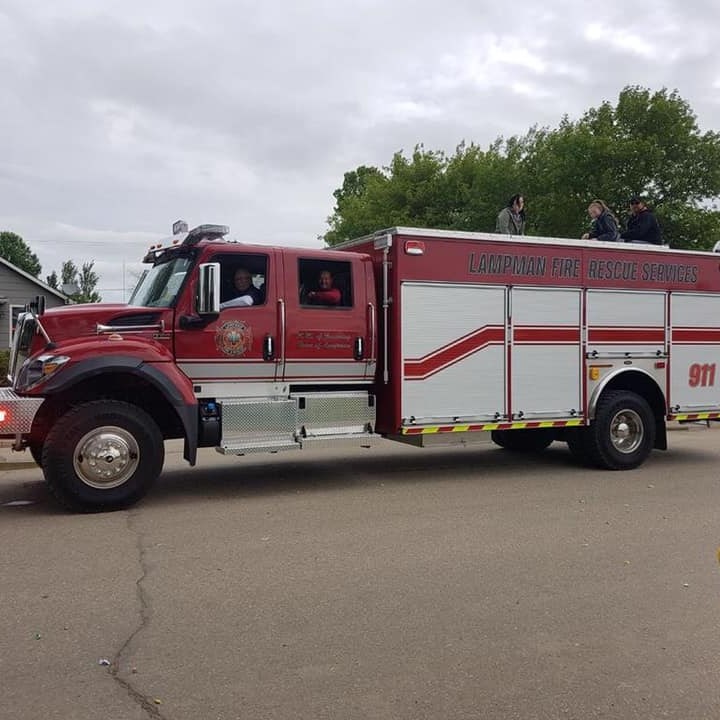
604 224
327 294
244 290
642 224
511 219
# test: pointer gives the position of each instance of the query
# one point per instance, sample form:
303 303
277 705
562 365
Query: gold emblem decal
233 338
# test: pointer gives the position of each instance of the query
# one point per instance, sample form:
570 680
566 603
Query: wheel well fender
642 383
163 392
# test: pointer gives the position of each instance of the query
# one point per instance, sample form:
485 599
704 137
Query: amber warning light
414 247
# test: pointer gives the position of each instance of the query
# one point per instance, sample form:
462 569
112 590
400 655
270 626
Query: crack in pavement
146 703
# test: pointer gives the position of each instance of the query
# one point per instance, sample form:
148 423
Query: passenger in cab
244 290
604 224
326 294
511 219
642 226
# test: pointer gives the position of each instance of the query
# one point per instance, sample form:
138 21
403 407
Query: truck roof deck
465 236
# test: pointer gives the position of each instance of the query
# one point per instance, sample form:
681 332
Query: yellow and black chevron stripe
529 425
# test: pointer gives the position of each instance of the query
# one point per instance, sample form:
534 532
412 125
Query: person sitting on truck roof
642 224
245 292
604 224
511 219
326 294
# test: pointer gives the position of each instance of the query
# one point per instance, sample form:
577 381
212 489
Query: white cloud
624 41
121 117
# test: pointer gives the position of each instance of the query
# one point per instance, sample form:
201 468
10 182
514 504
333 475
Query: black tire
83 444
526 441
619 412
576 439
36 450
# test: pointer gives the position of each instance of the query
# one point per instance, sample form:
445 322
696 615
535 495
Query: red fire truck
421 336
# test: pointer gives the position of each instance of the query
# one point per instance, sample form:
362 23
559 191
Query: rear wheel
529 441
576 439
623 434
102 455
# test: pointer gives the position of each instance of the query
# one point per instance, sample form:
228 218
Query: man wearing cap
642 224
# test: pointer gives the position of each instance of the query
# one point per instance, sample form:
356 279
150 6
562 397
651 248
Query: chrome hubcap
626 431
106 457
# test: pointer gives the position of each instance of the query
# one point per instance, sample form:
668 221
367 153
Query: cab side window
243 280
325 284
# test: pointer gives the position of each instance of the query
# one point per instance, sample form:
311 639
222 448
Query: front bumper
17 413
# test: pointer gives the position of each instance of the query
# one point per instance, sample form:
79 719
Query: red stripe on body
696 335
453 352
569 335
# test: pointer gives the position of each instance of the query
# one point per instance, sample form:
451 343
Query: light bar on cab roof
208 231
179 226
188 238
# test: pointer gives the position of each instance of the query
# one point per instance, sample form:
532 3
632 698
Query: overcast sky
119 117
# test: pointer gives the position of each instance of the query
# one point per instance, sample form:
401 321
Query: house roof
33 279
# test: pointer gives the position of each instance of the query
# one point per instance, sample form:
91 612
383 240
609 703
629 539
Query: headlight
40 368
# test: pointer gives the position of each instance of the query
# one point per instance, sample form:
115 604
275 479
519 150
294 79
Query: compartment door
625 324
695 353
546 356
453 353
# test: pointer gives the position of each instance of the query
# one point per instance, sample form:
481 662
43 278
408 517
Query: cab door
235 354
326 342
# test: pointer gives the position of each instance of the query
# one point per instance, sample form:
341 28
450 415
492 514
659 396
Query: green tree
647 143
84 279
52 280
15 250
88 280
69 273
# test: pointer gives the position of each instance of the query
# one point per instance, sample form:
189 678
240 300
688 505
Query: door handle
359 348
373 338
269 348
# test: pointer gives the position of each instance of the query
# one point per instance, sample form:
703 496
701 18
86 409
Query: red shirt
326 297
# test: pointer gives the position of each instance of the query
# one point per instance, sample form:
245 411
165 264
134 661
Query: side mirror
37 305
208 302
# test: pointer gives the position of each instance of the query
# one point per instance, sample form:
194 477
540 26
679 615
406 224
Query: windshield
159 286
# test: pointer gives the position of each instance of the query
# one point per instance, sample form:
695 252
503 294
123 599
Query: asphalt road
374 584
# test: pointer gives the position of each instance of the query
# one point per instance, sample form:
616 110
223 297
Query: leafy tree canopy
15 250
648 143
84 279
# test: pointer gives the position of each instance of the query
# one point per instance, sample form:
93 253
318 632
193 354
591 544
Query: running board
364 440
350 440
464 439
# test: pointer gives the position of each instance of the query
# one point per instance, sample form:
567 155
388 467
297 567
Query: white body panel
453 352
546 357
694 381
474 353
621 322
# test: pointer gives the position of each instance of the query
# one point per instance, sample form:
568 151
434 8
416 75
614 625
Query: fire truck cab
422 336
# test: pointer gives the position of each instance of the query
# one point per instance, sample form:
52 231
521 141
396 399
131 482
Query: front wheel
36 450
102 455
623 434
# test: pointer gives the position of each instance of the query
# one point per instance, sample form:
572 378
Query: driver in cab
245 293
